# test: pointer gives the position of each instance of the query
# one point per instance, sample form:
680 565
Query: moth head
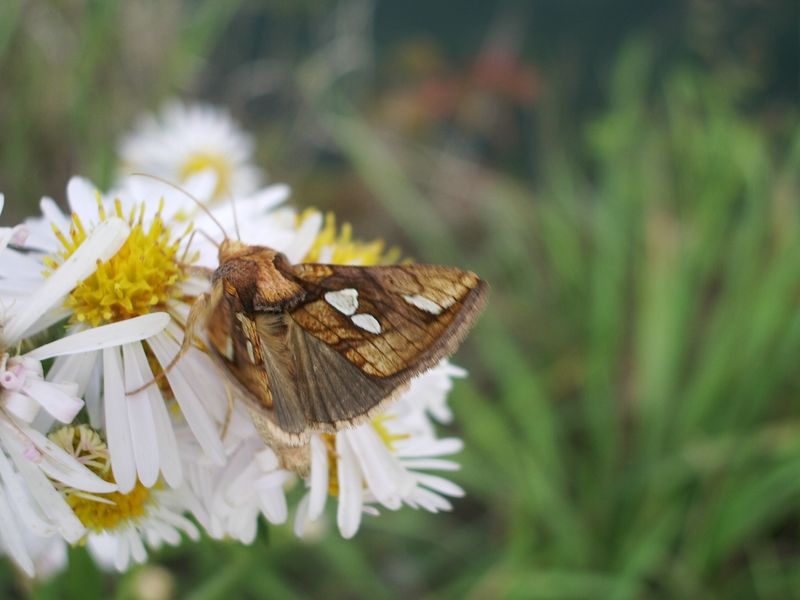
230 249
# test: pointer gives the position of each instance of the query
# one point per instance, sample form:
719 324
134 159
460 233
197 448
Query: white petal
21 406
12 539
301 517
442 447
273 505
167 444
51 213
304 238
61 405
82 197
272 481
137 547
57 464
441 485
431 463
115 334
101 244
21 266
269 197
103 548
21 500
49 500
319 478
120 446
348 515
122 557
94 396
198 420
169 459
140 415
74 367
18 234
383 475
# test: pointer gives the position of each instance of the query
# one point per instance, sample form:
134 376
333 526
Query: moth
319 347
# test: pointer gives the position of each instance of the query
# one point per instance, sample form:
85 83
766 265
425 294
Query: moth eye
426 304
345 301
367 323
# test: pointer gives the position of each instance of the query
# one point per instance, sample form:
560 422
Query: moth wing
319 368
241 351
331 392
390 322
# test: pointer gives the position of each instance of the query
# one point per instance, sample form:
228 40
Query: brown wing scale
411 338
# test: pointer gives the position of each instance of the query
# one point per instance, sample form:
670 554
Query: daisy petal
97 338
120 446
140 415
319 478
169 459
102 244
348 516
12 539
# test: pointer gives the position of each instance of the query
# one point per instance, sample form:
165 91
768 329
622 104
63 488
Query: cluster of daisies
93 303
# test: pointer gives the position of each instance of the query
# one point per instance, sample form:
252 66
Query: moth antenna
196 200
235 213
191 238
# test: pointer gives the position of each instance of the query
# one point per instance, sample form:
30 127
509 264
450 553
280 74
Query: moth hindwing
315 347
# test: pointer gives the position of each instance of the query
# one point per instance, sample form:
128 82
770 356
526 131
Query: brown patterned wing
245 346
354 342
391 322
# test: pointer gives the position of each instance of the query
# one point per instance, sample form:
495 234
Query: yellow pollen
196 163
379 425
98 512
140 278
338 247
387 437
333 476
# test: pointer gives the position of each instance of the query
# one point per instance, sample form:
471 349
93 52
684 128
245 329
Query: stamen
98 512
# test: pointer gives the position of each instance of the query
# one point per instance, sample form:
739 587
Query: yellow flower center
196 163
98 512
140 278
337 246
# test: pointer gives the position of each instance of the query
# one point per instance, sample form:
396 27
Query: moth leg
197 311
228 412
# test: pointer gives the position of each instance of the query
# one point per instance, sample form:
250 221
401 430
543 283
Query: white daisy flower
184 140
233 497
29 462
145 275
382 462
120 525
151 272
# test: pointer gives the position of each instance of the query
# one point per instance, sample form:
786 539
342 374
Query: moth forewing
317 347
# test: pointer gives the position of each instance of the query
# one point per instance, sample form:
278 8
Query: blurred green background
625 174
